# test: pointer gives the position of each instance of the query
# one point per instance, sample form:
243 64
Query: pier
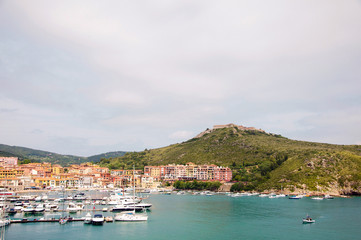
44 220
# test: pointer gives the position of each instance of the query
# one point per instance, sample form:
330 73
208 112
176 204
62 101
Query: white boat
38 199
98 219
28 209
328 197
317 198
308 219
296 197
130 216
88 218
39 209
263 195
280 195
72 207
44 198
80 196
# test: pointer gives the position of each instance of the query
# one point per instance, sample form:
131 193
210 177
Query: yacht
88 218
28 209
39 209
122 207
98 219
38 199
72 207
130 216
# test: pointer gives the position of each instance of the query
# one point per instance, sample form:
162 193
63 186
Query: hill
43 156
97 158
261 160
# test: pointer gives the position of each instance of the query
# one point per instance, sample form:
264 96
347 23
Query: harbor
187 216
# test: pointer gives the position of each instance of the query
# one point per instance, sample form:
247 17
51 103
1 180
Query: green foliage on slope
27 155
259 160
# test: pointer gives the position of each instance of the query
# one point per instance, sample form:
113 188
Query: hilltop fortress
230 125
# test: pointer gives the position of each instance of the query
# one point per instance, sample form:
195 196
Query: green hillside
261 161
97 158
32 155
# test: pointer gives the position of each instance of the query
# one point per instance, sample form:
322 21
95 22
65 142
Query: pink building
8 161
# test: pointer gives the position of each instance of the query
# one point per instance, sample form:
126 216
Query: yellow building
57 169
4 173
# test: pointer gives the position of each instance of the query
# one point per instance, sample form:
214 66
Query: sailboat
63 220
131 216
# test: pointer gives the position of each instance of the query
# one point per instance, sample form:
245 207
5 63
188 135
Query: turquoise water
216 217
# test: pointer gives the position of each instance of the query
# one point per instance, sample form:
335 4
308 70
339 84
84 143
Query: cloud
138 75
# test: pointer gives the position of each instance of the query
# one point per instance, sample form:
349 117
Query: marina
195 216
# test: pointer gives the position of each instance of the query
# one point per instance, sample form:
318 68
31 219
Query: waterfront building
190 171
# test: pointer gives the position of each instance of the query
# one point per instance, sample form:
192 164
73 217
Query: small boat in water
131 216
98 219
308 219
88 218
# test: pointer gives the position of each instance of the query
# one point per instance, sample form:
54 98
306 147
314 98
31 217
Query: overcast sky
87 77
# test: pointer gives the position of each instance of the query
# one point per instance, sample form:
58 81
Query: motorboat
296 197
18 203
88 218
28 209
79 196
328 197
109 219
121 207
308 219
72 207
317 198
38 199
98 219
12 211
131 216
39 208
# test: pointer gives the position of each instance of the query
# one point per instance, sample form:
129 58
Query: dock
44 220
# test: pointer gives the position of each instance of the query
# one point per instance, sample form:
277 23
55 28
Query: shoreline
289 193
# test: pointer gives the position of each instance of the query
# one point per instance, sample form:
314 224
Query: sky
88 77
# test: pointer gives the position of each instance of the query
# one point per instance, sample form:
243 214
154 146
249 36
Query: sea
188 216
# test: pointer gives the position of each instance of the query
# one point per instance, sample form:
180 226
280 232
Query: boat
72 207
328 197
98 219
296 197
63 221
121 208
308 219
88 218
28 209
317 198
79 196
12 211
131 216
39 208
109 219
38 199
5 193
